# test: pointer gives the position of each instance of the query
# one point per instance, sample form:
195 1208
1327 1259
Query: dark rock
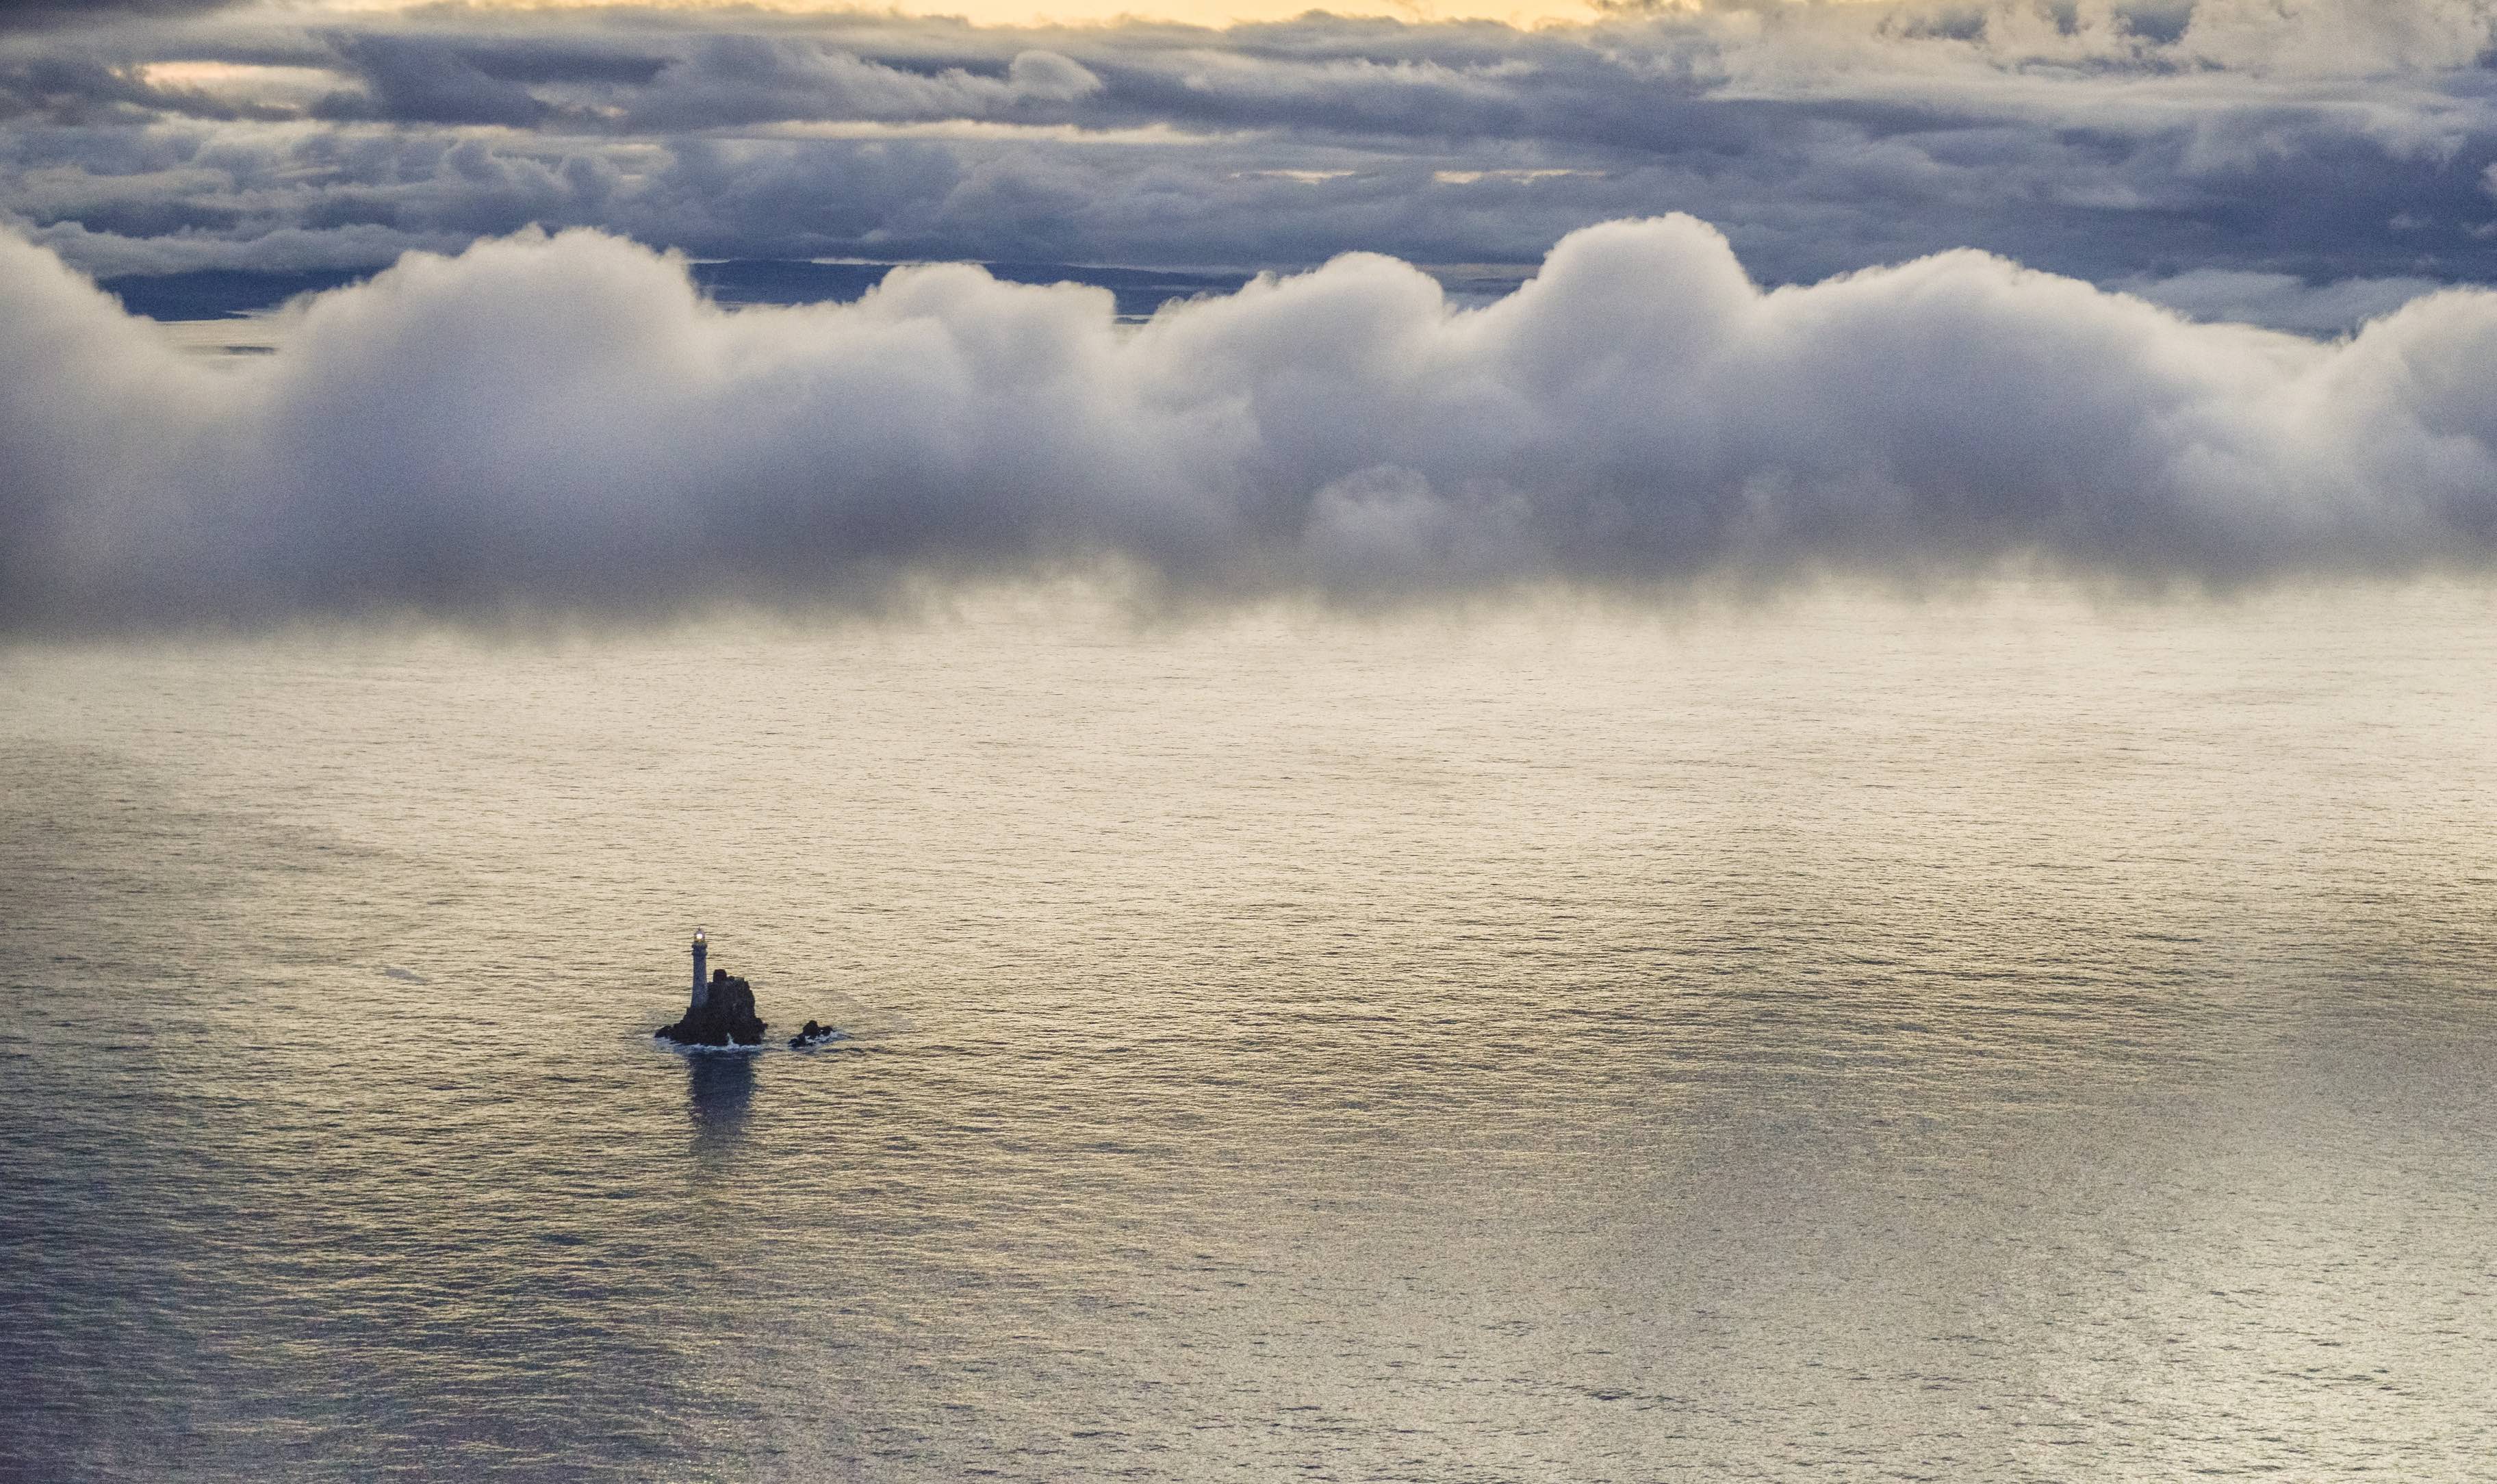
725 1018
811 1034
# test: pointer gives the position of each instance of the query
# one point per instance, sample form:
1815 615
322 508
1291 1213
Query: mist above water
564 427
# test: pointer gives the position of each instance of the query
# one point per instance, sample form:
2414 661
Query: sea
2002 1032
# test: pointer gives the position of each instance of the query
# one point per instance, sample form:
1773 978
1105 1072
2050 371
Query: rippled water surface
1987 1039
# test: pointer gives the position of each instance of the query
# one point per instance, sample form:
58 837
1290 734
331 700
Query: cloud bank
565 425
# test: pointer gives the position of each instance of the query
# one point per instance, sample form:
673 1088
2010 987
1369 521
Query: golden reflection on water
1994 1037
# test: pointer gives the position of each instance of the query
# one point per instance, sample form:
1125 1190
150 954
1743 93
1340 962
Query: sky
2144 291
2300 162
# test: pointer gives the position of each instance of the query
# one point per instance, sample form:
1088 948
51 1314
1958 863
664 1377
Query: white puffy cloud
564 423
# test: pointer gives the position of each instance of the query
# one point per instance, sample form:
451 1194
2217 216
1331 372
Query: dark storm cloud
424 80
2120 141
61 14
77 89
564 426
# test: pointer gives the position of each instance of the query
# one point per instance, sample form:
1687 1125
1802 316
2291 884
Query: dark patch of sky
2136 141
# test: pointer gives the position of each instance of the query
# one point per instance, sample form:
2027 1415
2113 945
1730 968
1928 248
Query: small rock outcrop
724 1016
811 1034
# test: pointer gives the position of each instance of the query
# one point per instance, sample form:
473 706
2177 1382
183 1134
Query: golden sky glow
1214 13
1230 12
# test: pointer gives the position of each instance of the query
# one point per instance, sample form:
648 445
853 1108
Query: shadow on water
719 1091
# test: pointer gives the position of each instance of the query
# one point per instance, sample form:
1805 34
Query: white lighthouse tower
701 968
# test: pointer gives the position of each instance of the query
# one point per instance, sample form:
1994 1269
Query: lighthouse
722 1011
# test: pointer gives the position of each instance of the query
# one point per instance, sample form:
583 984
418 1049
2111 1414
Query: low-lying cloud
565 425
